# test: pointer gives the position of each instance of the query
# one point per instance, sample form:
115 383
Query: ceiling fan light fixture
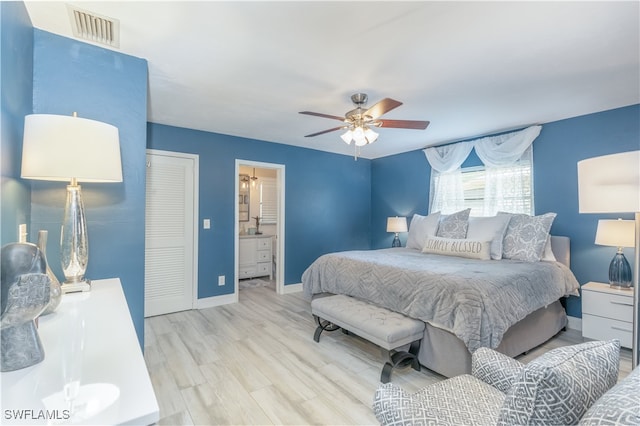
347 137
370 135
359 136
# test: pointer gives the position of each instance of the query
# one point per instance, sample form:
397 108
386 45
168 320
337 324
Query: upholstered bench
387 329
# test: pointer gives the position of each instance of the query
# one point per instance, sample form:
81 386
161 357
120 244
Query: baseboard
210 302
292 288
574 323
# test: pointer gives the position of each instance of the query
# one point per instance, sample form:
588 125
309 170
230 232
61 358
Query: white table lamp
71 149
396 224
611 184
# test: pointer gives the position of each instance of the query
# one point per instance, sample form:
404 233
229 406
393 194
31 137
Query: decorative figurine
25 293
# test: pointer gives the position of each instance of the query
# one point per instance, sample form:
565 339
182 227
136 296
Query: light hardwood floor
255 362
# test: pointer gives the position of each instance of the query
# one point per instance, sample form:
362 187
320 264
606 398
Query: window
268 201
486 190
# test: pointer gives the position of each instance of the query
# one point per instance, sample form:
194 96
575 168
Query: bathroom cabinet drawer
255 255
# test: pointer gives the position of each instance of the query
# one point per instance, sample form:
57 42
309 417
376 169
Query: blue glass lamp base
620 272
396 242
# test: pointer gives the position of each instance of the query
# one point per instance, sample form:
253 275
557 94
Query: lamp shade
616 233
59 148
610 183
397 224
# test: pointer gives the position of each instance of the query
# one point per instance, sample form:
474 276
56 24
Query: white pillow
420 228
548 255
470 249
526 236
454 225
490 228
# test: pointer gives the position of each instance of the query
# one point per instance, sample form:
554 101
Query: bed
509 305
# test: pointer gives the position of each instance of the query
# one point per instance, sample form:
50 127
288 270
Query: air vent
93 27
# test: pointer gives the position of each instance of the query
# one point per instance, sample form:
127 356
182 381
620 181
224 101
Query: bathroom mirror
243 198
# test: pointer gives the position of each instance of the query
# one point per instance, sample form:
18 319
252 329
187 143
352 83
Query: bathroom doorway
259 225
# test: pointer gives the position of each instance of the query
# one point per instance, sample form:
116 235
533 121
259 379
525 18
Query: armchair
555 388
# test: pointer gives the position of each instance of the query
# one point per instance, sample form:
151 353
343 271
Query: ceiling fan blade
318 114
382 107
325 131
404 124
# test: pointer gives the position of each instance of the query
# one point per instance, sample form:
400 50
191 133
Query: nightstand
607 313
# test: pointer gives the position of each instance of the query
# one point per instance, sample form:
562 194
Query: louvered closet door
169 232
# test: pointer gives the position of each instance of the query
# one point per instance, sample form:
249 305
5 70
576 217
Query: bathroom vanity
255 256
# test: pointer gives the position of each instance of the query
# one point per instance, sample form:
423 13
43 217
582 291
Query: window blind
268 201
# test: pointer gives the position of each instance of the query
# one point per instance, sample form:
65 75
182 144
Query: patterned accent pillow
460 400
471 249
454 225
490 228
558 387
495 368
420 228
619 406
526 236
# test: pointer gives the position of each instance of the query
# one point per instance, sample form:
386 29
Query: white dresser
91 349
607 313
255 256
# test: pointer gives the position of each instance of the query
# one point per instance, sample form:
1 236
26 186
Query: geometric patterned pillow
619 406
526 236
460 400
454 225
559 387
495 368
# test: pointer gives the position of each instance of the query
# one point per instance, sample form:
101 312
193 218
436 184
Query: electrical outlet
206 224
221 280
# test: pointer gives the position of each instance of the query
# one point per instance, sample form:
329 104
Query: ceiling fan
359 121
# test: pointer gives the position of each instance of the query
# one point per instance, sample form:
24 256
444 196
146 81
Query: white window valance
505 150
493 151
447 158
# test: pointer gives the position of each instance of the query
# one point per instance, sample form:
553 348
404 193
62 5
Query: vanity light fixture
254 178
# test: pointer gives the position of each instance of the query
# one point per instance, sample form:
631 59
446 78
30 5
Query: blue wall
107 86
400 185
16 89
327 200
333 203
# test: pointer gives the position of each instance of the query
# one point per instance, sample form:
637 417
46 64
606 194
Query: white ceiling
471 68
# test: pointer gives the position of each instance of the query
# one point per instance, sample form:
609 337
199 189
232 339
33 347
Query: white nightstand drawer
264 243
618 307
599 328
